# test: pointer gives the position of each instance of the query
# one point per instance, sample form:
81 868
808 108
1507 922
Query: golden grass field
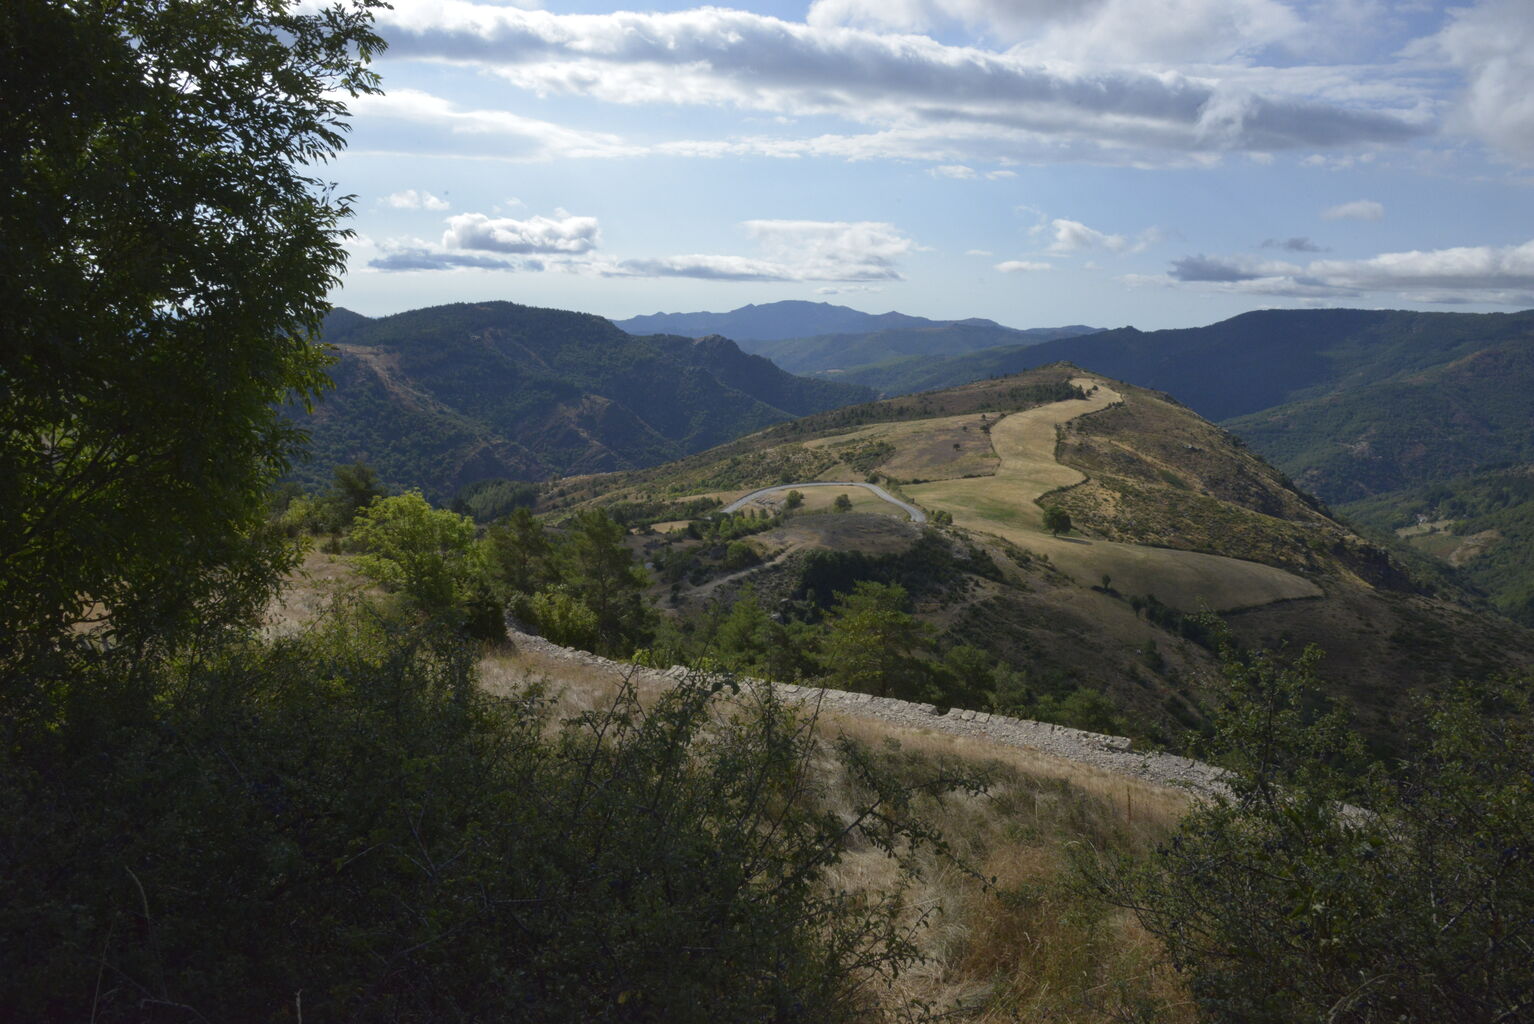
993 482
1006 504
930 449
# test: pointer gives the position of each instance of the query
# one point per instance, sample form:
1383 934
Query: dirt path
1006 505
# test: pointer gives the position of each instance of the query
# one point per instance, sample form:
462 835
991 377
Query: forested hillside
438 398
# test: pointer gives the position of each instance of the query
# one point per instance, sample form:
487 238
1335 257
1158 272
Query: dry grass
1030 945
1006 504
934 449
321 580
1025 941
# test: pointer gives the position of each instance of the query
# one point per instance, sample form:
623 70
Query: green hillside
440 397
1414 428
852 356
1482 524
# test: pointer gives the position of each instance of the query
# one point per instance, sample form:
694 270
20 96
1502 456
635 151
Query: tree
354 487
1318 890
162 282
1057 520
842 503
429 554
599 568
871 639
793 500
519 552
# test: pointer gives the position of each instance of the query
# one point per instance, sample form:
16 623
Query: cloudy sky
1159 163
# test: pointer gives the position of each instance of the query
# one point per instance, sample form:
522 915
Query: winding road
916 514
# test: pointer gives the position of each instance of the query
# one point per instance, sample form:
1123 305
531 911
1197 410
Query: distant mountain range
1351 402
442 397
1354 405
817 337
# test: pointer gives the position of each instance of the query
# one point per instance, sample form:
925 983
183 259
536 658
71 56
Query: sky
1156 163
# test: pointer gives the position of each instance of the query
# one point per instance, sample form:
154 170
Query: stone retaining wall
1112 753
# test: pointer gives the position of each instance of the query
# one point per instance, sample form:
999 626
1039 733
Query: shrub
345 827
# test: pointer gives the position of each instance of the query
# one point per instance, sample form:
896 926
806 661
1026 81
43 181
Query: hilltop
1175 516
442 397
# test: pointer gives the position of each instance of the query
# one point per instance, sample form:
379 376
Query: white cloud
849 289
956 104
1000 175
1358 209
497 132
978 252
958 171
792 250
1491 43
1021 266
564 234
1082 31
410 199
1074 236
1501 275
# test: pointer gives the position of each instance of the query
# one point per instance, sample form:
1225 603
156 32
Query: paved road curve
916 514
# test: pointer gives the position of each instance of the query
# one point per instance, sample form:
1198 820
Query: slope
852 355
443 396
1175 515
1416 427
772 321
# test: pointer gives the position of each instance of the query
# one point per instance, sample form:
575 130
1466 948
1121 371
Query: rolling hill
1175 516
441 397
1351 403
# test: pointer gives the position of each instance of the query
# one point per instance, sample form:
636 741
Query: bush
1315 891
345 827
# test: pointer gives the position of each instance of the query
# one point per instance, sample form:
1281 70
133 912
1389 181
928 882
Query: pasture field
1006 504
933 449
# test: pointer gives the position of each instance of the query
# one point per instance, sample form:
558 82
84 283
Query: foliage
354 489
1489 536
1315 891
518 391
346 827
485 501
600 570
165 267
841 504
871 640
1057 520
428 554
519 551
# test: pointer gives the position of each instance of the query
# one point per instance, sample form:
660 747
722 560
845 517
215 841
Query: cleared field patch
852 531
823 499
933 449
1005 504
